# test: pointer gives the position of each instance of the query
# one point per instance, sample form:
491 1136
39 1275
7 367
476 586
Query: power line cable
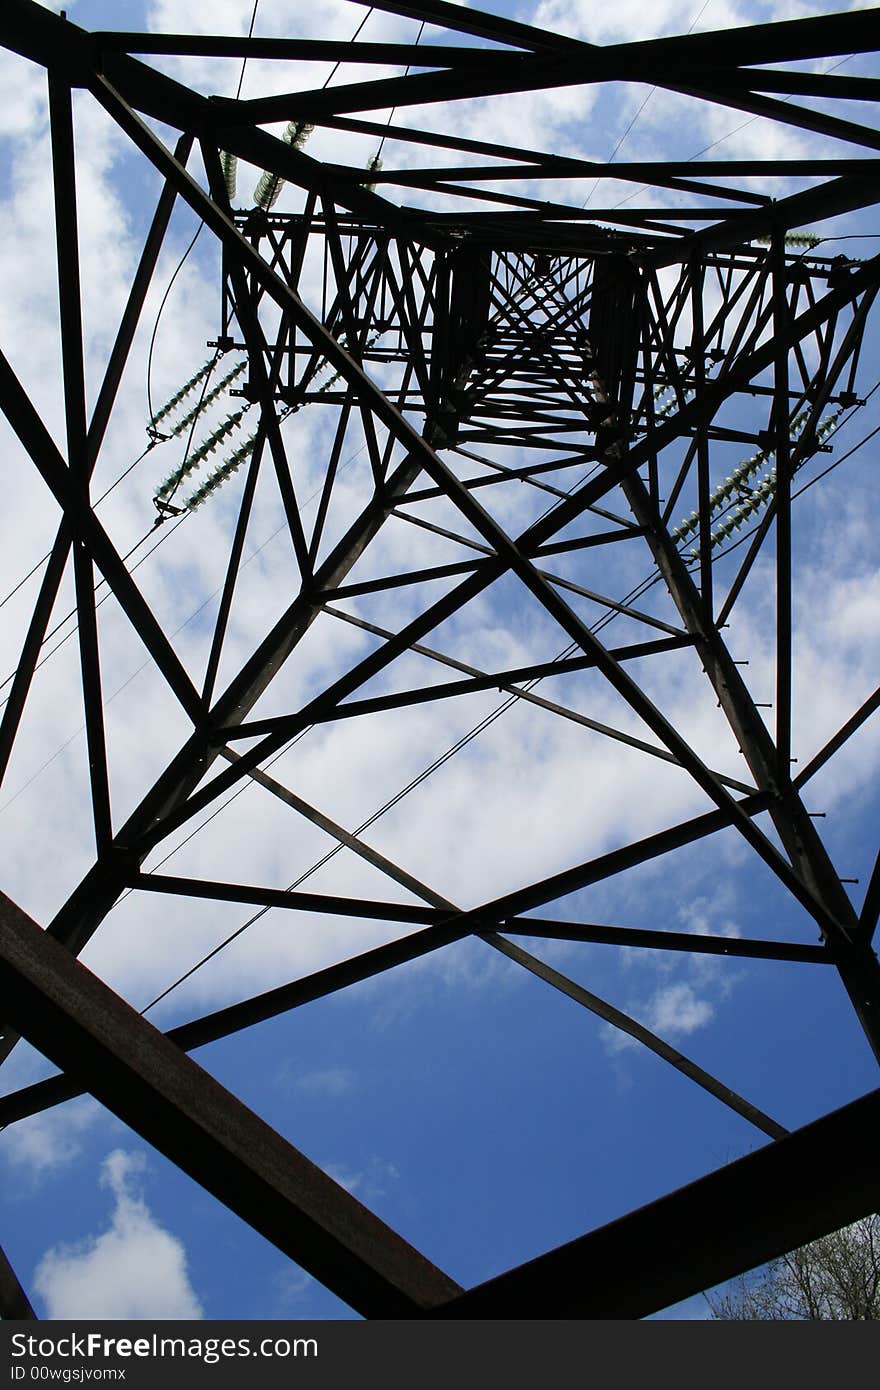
393 801
837 462
244 60
353 39
720 141
635 119
181 263
406 74
101 584
124 474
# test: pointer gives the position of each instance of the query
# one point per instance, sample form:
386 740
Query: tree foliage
836 1278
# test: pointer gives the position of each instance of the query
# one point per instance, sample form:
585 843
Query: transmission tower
544 399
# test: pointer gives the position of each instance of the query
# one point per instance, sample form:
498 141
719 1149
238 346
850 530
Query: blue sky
480 1113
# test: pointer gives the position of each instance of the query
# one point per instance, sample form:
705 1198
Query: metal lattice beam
598 361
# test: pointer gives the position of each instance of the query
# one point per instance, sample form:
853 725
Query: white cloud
134 1269
292 1287
369 1181
328 1081
42 1145
672 1010
630 20
676 1010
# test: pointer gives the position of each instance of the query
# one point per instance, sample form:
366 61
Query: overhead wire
406 74
179 267
730 134
635 119
376 815
244 60
100 585
353 39
837 462
124 474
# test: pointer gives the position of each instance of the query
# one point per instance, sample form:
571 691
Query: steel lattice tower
606 364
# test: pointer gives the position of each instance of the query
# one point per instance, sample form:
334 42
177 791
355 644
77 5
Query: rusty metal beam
720 1226
81 1025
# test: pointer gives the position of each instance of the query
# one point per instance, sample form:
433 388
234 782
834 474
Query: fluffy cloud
134 1269
369 1180
630 20
676 1010
40 1146
672 1011
328 1081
